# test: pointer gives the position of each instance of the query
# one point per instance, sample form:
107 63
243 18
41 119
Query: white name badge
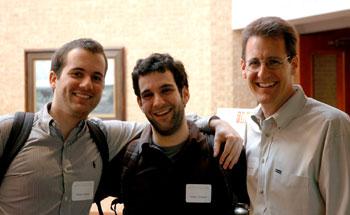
198 193
82 190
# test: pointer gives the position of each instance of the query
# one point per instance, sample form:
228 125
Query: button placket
266 141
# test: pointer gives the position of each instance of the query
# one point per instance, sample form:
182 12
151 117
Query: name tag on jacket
198 193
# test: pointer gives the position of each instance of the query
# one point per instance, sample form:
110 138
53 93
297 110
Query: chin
263 99
82 112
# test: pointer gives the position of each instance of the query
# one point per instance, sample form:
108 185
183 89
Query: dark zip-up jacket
192 182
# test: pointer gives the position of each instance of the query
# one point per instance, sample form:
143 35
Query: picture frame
38 91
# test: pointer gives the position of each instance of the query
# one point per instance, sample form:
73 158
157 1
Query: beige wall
198 32
228 89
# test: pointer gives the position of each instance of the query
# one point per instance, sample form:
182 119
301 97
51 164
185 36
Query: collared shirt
51 175
299 159
55 176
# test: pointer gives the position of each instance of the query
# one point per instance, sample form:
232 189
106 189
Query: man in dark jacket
170 169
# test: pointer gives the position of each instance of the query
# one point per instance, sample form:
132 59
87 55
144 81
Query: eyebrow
161 87
268 58
167 86
77 68
99 73
83 70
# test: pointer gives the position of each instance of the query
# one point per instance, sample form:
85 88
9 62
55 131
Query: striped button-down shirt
55 176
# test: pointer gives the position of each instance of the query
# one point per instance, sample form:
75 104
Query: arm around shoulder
119 133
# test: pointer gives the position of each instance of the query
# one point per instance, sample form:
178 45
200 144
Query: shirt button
261 192
262 160
267 135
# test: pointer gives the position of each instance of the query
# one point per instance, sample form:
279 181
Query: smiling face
161 102
271 86
79 88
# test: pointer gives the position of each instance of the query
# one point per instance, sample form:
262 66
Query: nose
86 83
263 71
158 100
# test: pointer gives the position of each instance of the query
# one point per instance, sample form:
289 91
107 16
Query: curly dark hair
159 63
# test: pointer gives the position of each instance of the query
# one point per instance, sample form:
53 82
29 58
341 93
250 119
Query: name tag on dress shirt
82 190
198 193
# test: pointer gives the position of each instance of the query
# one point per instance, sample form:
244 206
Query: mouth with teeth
162 112
82 95
266 85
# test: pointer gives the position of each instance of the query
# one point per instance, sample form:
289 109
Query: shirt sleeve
201 122
334 179
5 128
119 133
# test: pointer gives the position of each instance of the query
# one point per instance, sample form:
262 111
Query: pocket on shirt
290 192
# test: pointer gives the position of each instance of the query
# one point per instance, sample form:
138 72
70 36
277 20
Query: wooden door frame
311 46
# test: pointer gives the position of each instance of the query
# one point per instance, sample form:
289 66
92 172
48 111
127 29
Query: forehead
81 58
156 80
264 47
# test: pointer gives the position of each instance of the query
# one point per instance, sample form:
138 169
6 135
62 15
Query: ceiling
324 22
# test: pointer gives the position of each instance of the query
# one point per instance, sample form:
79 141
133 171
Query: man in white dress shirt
298 149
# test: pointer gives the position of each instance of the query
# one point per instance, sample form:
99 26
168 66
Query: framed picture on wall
38 90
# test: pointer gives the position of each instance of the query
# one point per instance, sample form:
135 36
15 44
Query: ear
243 65
139 102
53 79
185 95
294 63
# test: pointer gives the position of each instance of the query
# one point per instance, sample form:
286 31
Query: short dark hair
159 63
58 59
271 27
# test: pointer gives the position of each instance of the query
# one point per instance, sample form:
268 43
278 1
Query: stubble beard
176 122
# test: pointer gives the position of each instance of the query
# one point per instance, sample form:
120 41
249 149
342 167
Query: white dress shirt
299 159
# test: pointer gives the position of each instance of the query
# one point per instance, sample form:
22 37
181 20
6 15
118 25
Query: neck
269 110
65 121
174 139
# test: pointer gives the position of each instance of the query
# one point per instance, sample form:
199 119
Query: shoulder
196 133
99 123
6 122
321 111
325 119
110 126
118 127
203 140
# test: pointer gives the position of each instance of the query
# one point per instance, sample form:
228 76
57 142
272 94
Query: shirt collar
145 138
47 122
45 119
288 111
257 115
